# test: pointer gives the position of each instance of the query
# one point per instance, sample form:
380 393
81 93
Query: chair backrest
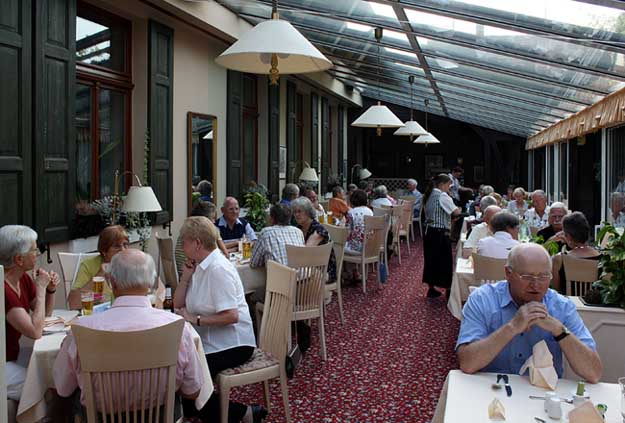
606 239
375 236
406 215
338 235
488 269
132 373
396 214
408 198
70 263
167 258
580 274
311 264
279 300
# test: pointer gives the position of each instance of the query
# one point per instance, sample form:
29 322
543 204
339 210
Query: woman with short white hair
210 296
27 301
518 207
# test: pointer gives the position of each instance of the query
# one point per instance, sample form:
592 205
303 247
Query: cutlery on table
506 382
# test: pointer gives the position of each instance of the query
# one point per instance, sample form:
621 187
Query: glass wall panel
539 168
564 172
112 133
616 176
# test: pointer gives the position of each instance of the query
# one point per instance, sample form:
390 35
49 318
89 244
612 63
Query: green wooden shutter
233 133
274 142
325 142
15 113
54 138
341 162
314 128
160 116
292 145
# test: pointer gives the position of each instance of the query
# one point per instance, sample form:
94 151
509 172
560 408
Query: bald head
490 212
529 258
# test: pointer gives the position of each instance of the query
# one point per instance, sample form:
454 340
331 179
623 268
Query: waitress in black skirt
439 210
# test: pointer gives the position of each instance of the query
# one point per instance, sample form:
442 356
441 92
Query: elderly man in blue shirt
503 321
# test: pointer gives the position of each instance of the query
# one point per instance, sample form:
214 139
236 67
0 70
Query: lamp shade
426 139
410 128
308 174
252 52
141 199
364 173
378 116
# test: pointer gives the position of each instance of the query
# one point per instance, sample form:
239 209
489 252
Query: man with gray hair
538 215
289 193
132 276
481 230
553 232
272 240
504 227
414 192
503 321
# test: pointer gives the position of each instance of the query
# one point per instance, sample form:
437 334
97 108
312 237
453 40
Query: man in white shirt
480 231
538 216
505 229
455 175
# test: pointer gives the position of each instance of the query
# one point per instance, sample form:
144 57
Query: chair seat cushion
259 360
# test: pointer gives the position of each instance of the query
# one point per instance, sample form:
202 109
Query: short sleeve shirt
216 287
28 292
240 228
491 306
447 203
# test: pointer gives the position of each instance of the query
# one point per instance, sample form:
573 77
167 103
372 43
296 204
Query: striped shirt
438 210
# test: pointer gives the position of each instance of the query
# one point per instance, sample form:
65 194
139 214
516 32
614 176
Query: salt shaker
554 408
548 396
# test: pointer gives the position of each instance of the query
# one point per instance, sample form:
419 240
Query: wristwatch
564 334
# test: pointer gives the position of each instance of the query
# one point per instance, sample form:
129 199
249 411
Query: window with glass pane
539 168
616 176
111 135
101 39
564 172
551 166
83 142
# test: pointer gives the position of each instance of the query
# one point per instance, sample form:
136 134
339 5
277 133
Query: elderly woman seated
27 301
210 296
576 231
111 241
381 198
518 206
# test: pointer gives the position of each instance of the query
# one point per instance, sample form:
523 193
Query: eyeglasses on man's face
539 278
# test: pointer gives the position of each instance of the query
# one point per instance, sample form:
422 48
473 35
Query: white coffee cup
548 396
554 408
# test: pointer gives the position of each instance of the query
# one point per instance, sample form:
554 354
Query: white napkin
586 412
496 410
540 365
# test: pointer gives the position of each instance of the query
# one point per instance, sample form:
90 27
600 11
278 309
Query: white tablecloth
461 280
33 407
465 398
254 279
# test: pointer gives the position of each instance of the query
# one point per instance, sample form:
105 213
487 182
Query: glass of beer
86 298
247 249
322 218
330 218
98 285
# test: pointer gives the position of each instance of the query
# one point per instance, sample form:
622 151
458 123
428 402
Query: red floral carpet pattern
387 363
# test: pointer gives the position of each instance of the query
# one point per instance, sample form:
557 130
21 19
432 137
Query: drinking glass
322 218
98 285
621 385
247 250
86 299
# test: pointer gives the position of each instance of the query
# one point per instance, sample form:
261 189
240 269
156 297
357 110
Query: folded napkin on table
586 412
540 365
496 410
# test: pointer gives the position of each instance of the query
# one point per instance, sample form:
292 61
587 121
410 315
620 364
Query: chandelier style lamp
273 47
428 138
411 128
378 116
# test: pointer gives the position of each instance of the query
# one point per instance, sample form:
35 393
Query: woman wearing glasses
27 301
111 241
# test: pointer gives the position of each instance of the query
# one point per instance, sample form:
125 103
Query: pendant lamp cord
378 33
426 101
411 80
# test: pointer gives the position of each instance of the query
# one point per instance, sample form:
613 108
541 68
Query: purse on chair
293 358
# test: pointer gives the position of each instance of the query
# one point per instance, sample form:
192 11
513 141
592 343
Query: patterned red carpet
387 363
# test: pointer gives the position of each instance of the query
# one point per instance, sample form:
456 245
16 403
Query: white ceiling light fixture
272 44
428 138
378 116
411 128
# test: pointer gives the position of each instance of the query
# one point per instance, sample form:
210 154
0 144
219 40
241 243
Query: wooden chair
406 222
338 235
311 264
387 213
375 239
112 361
396 214
267 362
70 263
488 269
167 257
580 274
413 200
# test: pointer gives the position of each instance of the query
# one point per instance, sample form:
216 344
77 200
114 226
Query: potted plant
610 288
256 204
134 223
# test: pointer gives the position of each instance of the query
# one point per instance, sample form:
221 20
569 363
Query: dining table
462 279
465 398
33 405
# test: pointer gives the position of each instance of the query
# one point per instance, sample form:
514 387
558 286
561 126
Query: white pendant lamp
273 47
427 138
411 128
378 116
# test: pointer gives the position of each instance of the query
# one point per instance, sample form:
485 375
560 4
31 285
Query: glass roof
510 65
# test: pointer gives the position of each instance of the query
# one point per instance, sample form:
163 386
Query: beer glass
247 249
86 299
98 286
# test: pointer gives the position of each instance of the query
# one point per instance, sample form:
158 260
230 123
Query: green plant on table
611 281
552 247
256 204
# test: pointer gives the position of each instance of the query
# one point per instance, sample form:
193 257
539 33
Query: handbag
293 358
